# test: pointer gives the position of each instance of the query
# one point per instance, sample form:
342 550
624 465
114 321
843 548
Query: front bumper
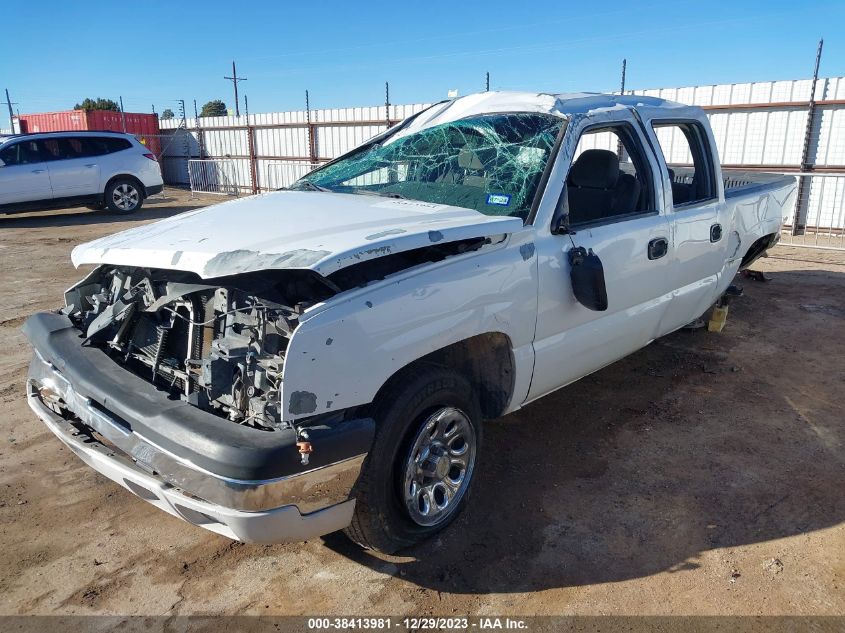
293 505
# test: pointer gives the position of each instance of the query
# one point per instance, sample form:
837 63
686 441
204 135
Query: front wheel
418 474
124 196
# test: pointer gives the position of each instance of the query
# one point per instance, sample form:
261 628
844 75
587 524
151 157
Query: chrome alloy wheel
125 197
439 466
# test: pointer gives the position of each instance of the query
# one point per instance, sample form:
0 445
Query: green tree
97 104
214 108
167 114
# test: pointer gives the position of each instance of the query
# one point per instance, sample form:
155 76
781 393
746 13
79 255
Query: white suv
60 169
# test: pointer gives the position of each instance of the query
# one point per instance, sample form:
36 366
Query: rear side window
688 158
95 146
114 144
100 145
23 153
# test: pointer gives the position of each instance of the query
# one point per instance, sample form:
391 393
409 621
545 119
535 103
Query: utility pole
803 181
487 83
122 115
387 103
235 79
11 112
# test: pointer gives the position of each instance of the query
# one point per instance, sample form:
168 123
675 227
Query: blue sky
54 53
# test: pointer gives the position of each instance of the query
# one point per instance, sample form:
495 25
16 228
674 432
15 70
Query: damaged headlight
219 348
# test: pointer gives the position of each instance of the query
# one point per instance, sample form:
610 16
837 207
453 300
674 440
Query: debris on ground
755 275
734 575
773 565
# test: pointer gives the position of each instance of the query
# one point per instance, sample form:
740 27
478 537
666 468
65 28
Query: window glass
687 157
609 176
94 146
22 153
491 163
114 144
57 149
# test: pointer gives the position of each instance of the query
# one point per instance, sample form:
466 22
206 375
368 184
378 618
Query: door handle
91 165
715 232
658 247
38 171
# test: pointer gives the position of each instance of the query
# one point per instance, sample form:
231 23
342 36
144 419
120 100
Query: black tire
382 521
124 196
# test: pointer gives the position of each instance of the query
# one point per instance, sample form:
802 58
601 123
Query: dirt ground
702 475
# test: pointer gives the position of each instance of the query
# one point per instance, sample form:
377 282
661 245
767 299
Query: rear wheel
418 474
124 196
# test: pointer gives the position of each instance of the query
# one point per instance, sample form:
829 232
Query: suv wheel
124 196
417 476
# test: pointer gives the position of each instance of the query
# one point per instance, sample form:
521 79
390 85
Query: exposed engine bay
218 344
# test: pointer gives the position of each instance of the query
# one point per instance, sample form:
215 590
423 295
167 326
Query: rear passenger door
23 176
697 215
629 233
74 170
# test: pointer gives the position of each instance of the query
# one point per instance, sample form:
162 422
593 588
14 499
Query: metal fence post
200 139
253 161
312 141
804 182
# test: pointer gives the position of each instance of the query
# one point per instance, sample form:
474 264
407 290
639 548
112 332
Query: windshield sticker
498 199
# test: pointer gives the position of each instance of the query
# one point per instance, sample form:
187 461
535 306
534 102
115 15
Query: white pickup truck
323 358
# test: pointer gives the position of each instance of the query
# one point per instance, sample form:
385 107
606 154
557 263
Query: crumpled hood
320 231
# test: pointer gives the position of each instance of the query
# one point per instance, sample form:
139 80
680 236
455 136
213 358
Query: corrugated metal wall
762 126
285 144
756 125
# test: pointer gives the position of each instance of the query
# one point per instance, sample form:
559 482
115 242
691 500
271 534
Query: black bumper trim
151 191
221 447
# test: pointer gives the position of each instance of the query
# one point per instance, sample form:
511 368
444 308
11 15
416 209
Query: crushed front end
170 385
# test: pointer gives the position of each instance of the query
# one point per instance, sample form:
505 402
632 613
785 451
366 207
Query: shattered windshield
491 163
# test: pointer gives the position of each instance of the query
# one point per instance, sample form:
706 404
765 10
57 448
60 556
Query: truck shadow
698 442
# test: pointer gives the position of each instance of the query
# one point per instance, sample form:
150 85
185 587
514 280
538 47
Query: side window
688 158
609 177
116 144
60 148
22 153
95 146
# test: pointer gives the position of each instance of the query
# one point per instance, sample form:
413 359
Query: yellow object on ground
717 319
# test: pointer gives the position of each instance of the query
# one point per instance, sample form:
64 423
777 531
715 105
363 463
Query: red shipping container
143 126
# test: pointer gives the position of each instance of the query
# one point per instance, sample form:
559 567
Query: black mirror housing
587 276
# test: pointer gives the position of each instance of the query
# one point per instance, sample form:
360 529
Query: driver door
630 234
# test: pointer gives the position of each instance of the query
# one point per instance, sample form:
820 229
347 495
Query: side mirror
587 275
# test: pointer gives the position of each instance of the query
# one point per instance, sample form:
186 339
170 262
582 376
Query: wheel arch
487 360
134 179
758 248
